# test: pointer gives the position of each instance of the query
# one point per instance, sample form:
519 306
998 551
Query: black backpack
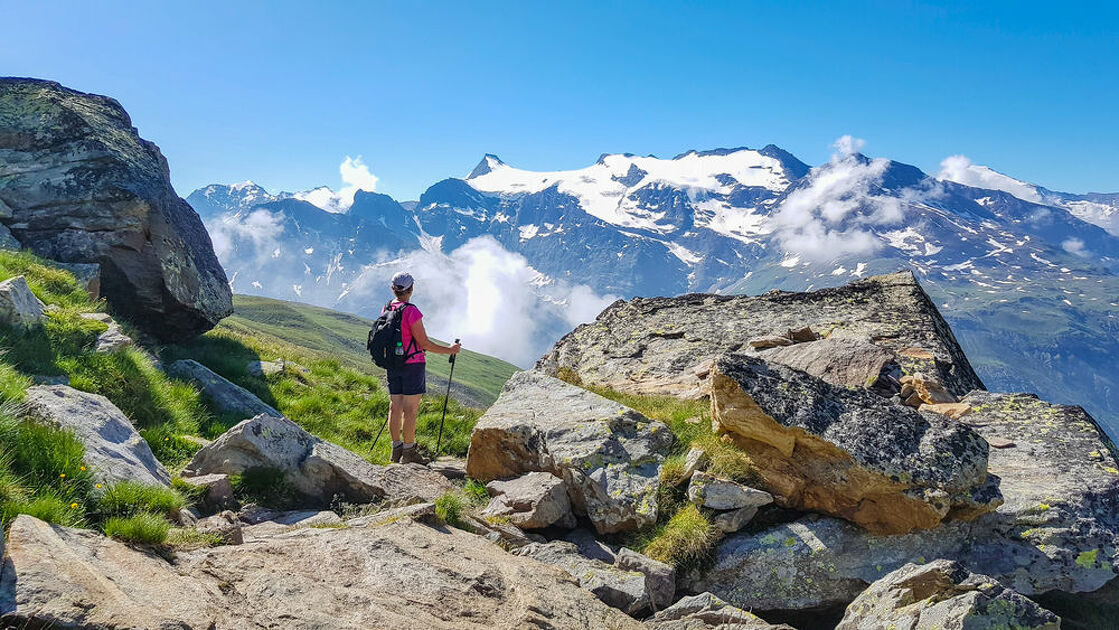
386 336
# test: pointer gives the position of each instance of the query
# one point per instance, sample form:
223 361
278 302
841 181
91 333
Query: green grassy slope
325 333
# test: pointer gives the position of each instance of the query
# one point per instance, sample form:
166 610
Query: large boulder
114 451
943 594
401 575
847 452
320 470
83 187
609 455
655 345
1057 531
227 397
18 305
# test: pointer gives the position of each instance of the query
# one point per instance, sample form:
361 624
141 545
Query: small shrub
144 528
265 486
686 541
128 498
449 508
476 491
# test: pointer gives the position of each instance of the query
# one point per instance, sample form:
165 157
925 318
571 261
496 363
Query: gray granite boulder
707 612
1057 531
722 494
227 397
112 339
531 501
18 305
609 455
83 187
847 452
844 362
660 578
943 594
651 345
114 451
623 589
318 469
399 575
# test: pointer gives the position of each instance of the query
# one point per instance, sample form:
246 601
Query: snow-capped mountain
1027 276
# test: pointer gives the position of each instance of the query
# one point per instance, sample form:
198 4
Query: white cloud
488 296
1075 246
231 233
959 169
829 218
356 176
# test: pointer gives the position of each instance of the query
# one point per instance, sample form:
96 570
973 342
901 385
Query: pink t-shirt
411 316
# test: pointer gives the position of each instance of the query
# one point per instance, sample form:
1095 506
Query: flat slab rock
531 501
847 452
651 345
707 612
943 594
1056 532
114 449
401 575
226 396
624 589
318 469
608 454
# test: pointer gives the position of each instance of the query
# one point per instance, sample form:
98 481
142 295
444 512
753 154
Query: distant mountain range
1025 275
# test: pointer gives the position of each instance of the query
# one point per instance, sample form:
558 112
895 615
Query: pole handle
452 357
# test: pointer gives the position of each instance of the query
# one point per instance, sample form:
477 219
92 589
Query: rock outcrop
847 452
83 187
227 397
619 588
943 594
318 469
652 345
18 305
1056 532
114 450
608 454
401 575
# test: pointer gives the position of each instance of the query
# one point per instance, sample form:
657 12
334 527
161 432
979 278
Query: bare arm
420 335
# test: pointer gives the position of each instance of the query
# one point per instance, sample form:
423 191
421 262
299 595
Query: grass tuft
128 498
685 542
450 507
144 528
476 492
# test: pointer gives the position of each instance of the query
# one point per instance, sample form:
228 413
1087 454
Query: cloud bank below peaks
834 213
356 176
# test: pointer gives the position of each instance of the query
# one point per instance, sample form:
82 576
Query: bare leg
396 417
411 406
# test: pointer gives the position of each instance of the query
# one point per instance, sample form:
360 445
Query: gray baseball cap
402 280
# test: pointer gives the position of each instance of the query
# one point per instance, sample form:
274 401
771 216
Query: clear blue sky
280 92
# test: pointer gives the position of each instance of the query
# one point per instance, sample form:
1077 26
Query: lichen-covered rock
707 612
226 396
1056 532
943 594
18 305
660 578
847 452
83 187
733 520
609 455
320 470
531 501
649 345
619 588
722 494
114 450
400 575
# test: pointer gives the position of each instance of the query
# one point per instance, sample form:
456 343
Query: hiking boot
412 456
397 451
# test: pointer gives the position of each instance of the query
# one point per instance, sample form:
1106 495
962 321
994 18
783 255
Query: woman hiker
409 383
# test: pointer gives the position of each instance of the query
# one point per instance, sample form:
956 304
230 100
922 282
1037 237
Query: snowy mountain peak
488 164
959 169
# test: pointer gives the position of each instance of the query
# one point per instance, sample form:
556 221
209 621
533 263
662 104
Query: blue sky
281 92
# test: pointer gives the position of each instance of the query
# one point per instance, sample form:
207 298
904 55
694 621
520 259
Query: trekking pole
378 438
439 442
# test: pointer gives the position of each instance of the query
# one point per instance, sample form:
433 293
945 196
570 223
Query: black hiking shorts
408 380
